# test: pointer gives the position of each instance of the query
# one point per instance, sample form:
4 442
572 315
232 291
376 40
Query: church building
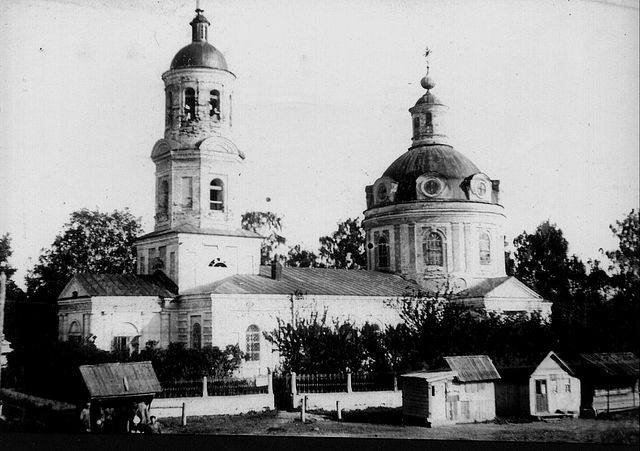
433 223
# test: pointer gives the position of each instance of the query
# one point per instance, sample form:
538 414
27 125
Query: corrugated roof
126 285
312 281
614 364
188 228
109 380
472 368
431 376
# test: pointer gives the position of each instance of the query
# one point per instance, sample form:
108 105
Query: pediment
512 288
221 145
73 285
163 147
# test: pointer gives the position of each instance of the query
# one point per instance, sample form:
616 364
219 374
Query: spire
199 25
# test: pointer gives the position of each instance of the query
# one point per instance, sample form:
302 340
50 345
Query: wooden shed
463 393
550 389
120 387
609 381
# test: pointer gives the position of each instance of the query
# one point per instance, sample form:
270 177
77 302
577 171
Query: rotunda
433 216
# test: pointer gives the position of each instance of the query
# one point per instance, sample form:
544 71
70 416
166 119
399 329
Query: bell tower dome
197 173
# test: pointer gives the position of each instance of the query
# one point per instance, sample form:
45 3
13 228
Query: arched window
485 249
383 252
214 105
75 333
253 343
189 104
428 122
163 198
416 126
169 105
216 195
196 336
433 250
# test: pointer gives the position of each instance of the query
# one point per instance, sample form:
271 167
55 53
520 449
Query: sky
543 96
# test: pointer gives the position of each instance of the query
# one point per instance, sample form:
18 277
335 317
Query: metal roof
156 284
112 380
431 376
614 364
471 368
188 228
313 281
483 288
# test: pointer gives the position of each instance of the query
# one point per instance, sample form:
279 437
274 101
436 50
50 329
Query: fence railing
344 382
212 387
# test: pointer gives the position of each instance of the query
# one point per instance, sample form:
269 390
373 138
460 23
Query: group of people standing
119 418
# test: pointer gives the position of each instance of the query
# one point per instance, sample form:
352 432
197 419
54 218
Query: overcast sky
543 96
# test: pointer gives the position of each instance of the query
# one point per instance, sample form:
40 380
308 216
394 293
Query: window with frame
416 126
196 336
485 249
567 386
163 198
383 252
189 104
253 343
169 106
172 265
120 344
75 333
216 195
187 192
214 105
143 265
433 250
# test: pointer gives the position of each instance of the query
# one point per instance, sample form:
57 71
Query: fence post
294 389
303 410
269 382
349 390
205 391
395 382
339 410
184 414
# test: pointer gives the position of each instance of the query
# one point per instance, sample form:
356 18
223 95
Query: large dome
199 54
437 158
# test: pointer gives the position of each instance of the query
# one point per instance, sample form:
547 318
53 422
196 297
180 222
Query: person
154 426
85 417
109 414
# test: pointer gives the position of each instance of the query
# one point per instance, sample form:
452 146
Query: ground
621 428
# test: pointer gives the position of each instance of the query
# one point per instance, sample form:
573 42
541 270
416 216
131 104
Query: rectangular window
172 265
153 257
162 256
120 344
143 265
567 387
186 187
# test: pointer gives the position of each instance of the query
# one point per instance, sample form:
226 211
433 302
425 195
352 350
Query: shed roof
157 284
431 376
313 281
471 368
189 228
614 364
113 380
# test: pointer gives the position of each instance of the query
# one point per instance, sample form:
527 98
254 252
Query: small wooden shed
550 389
609 381
463 393
121 387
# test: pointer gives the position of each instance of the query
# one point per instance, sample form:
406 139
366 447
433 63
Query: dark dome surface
199 54
443 159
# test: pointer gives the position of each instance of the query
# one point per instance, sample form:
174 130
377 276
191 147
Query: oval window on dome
431 187
382 192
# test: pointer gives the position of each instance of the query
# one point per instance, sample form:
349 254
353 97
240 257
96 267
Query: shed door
542 402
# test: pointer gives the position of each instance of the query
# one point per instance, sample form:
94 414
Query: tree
14 293
626 259
345 248
91 242
302 258
542 262
269 225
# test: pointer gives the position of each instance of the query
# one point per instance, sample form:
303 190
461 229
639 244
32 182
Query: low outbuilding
118 392
550 389
609 381
462 393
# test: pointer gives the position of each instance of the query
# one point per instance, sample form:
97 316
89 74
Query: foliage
14 293
51 369
315 346
626 259
345 248
269 225
92 242
302 258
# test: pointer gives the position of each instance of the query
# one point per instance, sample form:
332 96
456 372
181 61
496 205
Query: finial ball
427 82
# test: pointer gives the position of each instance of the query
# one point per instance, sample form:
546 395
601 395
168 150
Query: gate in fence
282 392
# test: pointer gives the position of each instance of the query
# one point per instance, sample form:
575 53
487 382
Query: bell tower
197 172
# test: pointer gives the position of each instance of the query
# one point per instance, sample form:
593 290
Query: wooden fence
343 382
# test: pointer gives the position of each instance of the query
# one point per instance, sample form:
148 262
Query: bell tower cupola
199 26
